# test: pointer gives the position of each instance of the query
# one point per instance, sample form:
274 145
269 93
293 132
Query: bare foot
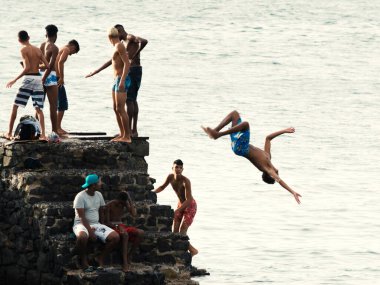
7 136
210 132
116 138
135 134
124 139
125 268
193 251
62 133
43 138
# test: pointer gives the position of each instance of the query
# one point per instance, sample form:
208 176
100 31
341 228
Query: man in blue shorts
240 135
89 208
71 48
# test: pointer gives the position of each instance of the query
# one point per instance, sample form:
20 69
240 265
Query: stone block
15 275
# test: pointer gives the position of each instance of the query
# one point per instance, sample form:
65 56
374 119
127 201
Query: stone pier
36 214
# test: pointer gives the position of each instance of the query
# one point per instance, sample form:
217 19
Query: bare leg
120 109
232 117
130 110
176 224
52 94
42 123
11 122
119 123
124 240
139 238
111 241
60 131
135 118
183 230
81 246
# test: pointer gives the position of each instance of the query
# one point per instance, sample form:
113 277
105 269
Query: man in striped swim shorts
32 83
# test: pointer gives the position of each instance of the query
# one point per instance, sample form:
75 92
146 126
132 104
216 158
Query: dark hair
76 44
51 30
123 196
23 36
178 162
118 26
267 178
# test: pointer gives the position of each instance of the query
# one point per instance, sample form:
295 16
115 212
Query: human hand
10 83
61 82
121 86
92 236
90 74
296 196
290 130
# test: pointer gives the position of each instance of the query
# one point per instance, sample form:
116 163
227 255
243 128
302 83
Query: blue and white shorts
52 79
31 86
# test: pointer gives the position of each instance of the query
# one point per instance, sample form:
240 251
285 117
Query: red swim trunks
188 214
132 232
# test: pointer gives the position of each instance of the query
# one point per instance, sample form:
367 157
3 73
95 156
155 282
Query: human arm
131 206
84 222
126 64
140 41
275 176
26 67
163 186
61 65
104 66
48 67
270 137
188 196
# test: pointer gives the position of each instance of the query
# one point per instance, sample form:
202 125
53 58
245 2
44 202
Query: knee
119 108
113 237
235 114
82 237
245 125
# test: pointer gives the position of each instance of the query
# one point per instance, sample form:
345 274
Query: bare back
260 158
50 51
132 48
34 56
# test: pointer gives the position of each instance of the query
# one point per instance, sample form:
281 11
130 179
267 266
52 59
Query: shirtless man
31 86
239 133
120 64
71 48
134 46
114 212
50 51
187 207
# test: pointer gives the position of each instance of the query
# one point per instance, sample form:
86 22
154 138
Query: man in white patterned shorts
32 83
89 208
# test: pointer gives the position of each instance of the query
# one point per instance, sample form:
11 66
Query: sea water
312 65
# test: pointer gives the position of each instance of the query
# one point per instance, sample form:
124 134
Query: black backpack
28 129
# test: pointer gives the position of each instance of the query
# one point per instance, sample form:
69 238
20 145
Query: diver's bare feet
210 132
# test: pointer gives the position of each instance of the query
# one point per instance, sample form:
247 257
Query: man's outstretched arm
275 176
104 66
270 137
163 186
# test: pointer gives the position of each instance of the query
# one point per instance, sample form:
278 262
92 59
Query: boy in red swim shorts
128 235
187 207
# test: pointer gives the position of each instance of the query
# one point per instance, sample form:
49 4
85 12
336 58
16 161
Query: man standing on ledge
89 207
31 86
134 45
187 207
71 48
50 50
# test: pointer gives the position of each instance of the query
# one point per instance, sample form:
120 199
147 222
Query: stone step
50 218
63 185
72 153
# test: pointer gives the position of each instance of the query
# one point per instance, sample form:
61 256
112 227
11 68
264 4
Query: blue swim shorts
63 104
240 142
135 73
127 83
